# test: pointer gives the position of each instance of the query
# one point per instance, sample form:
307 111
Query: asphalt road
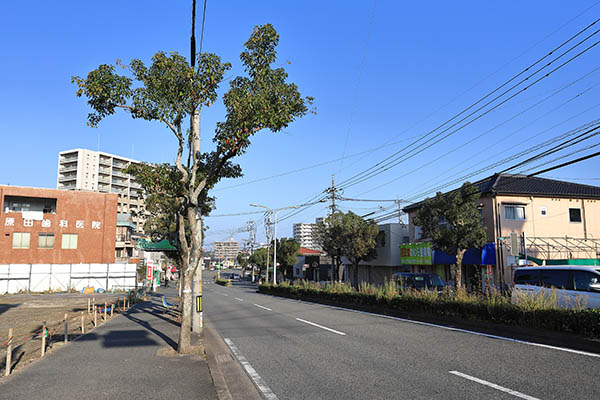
300 350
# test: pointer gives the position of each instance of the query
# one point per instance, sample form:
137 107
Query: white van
572 285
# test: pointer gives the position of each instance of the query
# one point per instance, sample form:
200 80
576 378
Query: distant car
570 285
418 281
235 276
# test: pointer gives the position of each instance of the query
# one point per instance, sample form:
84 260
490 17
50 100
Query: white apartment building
226 251
81 169
306 235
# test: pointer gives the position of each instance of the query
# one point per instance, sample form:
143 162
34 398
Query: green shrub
536 312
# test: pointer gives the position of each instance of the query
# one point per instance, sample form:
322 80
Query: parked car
572 286
418 281
235 276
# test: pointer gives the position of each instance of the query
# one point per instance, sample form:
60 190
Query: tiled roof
508 184
305 251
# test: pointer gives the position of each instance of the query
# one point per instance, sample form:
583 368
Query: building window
543 211
69 241
45 240
574 214
21 240
514 212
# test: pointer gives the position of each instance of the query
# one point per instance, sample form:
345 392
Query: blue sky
380 76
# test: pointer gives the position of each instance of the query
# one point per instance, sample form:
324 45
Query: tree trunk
185 344
355 273
195 221
458 276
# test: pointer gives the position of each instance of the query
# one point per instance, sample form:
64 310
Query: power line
387 162
360 73
565 164
504 137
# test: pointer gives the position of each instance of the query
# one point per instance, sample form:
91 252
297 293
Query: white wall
15 278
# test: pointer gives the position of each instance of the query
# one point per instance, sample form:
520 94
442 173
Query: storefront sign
149 271
416 254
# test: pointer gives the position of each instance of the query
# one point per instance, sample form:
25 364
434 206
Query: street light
275 212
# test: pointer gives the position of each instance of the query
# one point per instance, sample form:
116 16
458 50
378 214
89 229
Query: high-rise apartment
82 169
306 235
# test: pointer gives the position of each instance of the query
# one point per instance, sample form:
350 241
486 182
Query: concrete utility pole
274 212
332 191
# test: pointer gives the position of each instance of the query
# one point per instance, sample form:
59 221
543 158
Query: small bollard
9 353
82 324
44 339
66 328
105 311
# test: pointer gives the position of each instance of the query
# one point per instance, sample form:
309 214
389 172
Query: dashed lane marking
321 326
494 386
263 307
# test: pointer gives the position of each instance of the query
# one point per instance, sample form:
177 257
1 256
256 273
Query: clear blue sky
378 77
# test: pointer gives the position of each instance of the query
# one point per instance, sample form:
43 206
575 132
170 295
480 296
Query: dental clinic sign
416 254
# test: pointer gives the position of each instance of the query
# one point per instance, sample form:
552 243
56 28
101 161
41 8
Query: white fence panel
80 276
18 278
122 276
61 277
4 278
40 277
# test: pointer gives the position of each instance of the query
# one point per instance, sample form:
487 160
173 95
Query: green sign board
416 254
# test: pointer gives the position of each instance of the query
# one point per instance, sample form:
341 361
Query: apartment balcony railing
105 171
70 186
103 179
69 168
117 172
119 182
105 161
67 178
66 159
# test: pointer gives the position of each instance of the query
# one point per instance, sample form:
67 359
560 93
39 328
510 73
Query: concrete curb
230 379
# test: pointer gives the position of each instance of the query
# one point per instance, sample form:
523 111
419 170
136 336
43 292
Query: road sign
149 271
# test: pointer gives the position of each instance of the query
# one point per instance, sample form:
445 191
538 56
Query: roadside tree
170 91
287 255
453 224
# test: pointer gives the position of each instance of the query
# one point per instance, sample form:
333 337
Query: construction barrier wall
25 278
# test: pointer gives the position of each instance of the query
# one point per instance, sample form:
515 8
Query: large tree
170 91
349 235
330 235
453 224
287 255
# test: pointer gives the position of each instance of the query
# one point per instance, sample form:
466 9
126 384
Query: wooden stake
105 311
89 305
9 353
95 318
82 324
93 302
112 307
66 328
44 339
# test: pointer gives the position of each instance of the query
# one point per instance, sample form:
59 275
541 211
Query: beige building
552 221
82 169
226 252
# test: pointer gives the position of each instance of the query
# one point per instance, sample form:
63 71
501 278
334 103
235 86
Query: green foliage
259 258
349 235
287 252
460 304
223 282
242 259
452 222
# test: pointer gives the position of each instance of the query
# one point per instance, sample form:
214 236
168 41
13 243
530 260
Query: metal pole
275 250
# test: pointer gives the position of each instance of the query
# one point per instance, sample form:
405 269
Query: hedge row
582 322
223 282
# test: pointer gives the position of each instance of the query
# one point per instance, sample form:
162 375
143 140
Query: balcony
105 171
67 187
119 164
118 172
68 168
67 178
68 158
120 182
103 179
104 161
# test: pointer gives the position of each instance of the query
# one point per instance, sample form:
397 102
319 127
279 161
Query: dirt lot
26 314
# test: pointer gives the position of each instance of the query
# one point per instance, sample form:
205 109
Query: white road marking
321 326
450 328
494 386
224 294
238 299
263 307
258 381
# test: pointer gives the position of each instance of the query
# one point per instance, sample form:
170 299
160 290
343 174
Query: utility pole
332 191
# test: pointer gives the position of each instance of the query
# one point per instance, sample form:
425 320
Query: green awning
149 245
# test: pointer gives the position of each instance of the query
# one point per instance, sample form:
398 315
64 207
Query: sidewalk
129 357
